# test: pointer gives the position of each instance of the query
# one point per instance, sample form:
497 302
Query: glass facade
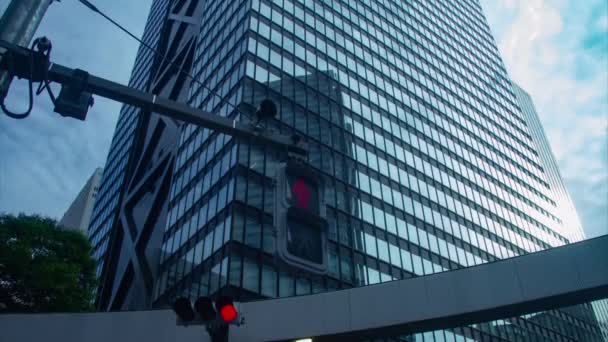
571 225
410 116
115 171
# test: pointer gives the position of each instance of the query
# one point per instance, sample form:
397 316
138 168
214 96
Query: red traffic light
228 313
226 308
302 193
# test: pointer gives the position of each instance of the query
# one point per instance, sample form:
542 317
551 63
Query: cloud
558 52
602 23
46 159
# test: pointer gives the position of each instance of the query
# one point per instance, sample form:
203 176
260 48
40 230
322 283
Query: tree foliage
44 268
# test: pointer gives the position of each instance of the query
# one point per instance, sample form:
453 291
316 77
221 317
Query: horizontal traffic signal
205 311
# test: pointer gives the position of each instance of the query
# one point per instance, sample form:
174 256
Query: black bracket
25 63
73 101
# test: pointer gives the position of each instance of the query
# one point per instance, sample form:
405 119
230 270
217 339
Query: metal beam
179 111
21 66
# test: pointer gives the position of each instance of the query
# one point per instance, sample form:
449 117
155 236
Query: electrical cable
93 8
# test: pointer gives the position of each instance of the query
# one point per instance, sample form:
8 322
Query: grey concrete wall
133 326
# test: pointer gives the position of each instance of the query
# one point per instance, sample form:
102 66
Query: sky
47 159
557 50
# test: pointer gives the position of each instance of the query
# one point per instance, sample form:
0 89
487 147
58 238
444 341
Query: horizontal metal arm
21 65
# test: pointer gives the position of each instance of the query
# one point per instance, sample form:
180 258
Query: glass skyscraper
409 114
571 225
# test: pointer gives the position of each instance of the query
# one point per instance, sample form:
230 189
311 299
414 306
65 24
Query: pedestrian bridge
550 279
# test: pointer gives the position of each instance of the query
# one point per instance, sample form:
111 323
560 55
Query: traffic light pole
36 66
18 25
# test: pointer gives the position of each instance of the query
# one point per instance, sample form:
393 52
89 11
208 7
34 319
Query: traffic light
299 217
226 309
204 312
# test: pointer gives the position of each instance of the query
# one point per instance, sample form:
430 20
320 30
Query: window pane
269 282
250 275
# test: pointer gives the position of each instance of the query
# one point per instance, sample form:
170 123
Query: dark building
115 174
130 212
410 116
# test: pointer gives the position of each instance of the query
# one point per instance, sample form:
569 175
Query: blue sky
46 159
555 49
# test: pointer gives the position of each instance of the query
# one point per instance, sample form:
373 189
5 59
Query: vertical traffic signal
299 217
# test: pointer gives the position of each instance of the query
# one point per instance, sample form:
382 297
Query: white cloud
544 49
602 23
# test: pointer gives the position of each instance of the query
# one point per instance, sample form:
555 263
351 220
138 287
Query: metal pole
23 59
18 25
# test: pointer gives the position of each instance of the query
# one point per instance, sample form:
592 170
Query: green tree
44 268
